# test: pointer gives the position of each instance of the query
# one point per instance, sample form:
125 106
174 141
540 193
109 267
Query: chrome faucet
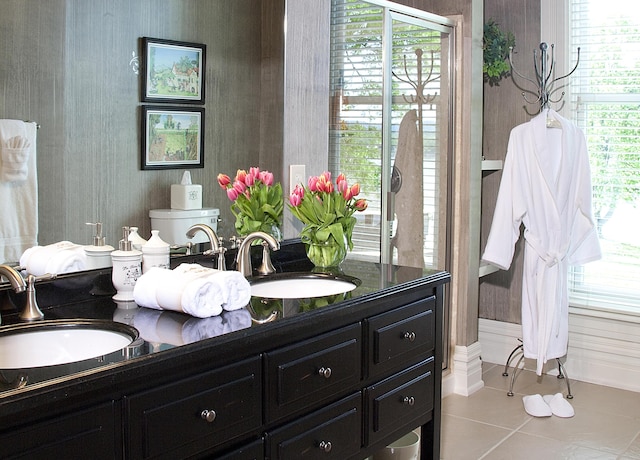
243 259
17 281
216 247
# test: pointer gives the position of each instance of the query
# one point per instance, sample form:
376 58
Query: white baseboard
467 369
601 350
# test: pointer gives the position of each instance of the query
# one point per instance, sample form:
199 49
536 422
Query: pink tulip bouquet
257 201
326 209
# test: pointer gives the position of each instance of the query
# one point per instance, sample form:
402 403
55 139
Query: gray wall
65 64
505 108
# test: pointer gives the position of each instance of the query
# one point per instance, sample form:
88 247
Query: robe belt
550 258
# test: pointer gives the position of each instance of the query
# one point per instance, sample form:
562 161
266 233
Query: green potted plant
495 48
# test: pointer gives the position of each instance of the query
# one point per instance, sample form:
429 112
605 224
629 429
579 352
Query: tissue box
186 196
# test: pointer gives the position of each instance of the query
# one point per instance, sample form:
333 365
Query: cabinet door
86 434
196 414
253 451
331 433
399 401
311 372
401 336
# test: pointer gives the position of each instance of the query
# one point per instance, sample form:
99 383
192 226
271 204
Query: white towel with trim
237 290
19 195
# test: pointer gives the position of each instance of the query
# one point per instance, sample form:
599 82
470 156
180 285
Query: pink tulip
249 180
295 200
313 183
327 176
240 175
232 194
254 171
361 204
355 190
239 186
341 177
266 177
223 180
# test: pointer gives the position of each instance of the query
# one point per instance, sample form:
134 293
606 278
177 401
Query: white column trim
467 369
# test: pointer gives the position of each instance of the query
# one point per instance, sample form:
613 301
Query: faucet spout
216 247
17 281
243 261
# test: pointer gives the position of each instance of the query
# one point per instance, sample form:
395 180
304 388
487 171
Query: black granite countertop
164 334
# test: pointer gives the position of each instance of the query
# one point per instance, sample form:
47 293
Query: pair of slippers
548 405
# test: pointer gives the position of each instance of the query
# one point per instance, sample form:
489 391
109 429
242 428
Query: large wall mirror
71 66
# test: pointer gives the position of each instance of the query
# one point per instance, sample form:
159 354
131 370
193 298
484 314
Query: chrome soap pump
99 253
127 268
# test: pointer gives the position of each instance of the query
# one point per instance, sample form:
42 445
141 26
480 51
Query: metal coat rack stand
544 84
544 71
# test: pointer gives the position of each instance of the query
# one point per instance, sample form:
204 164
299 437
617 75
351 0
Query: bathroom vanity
337 379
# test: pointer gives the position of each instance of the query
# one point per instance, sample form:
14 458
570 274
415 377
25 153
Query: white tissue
186 178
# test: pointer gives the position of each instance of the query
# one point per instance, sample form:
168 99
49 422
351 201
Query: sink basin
301 285
48 343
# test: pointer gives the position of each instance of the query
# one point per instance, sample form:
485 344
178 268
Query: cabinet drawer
174 417
92 432
310 372
399 399
253 451
334 432
400 336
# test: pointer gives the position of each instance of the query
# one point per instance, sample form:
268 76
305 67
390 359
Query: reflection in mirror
72 66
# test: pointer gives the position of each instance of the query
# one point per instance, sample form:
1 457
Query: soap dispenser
99 253
127 268
155 253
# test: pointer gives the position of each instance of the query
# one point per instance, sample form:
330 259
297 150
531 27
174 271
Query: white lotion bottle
99 253
127 268
155 253
136 240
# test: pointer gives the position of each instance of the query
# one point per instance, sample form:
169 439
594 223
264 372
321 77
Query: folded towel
56 258
237 290
15 166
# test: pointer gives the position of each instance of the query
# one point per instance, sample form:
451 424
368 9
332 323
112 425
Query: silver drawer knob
409 400
325 372
411 336
325 446
208 415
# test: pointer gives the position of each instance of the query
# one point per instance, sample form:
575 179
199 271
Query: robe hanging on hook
544 71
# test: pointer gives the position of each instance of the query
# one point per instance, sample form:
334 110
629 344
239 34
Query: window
605 103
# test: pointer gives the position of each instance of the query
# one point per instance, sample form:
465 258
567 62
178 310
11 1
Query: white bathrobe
546 185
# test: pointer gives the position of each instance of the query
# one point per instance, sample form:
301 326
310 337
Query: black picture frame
172 137
173 71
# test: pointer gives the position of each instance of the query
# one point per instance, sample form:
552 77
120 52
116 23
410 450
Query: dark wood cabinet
339 382
91 433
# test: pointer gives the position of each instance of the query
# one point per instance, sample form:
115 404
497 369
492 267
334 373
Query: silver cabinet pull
208 415
409 400
325 372
325 446
411 336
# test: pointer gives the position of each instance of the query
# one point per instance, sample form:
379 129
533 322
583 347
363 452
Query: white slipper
559 406
535 405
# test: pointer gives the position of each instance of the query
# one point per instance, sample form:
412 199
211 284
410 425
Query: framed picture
172 137
172 71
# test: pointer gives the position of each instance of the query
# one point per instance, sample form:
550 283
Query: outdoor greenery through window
605 103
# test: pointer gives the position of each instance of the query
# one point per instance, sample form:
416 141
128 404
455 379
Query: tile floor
490 425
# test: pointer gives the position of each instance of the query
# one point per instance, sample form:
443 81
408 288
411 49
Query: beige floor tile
523 446
607 399
588 428
464 439
633 451
489 406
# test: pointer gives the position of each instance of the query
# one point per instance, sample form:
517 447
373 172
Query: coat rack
544 71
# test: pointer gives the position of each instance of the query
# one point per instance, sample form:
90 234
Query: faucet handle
31 310
266 267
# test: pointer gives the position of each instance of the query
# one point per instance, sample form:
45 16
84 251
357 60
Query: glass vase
326 254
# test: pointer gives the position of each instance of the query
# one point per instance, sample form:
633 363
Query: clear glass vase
326 254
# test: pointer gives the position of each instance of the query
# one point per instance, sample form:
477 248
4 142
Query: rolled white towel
145 289
236 287
203 297
56 258
169 293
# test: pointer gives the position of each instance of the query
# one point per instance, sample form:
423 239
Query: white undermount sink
301 285
48 343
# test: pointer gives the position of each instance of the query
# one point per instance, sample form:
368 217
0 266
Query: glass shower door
391 127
